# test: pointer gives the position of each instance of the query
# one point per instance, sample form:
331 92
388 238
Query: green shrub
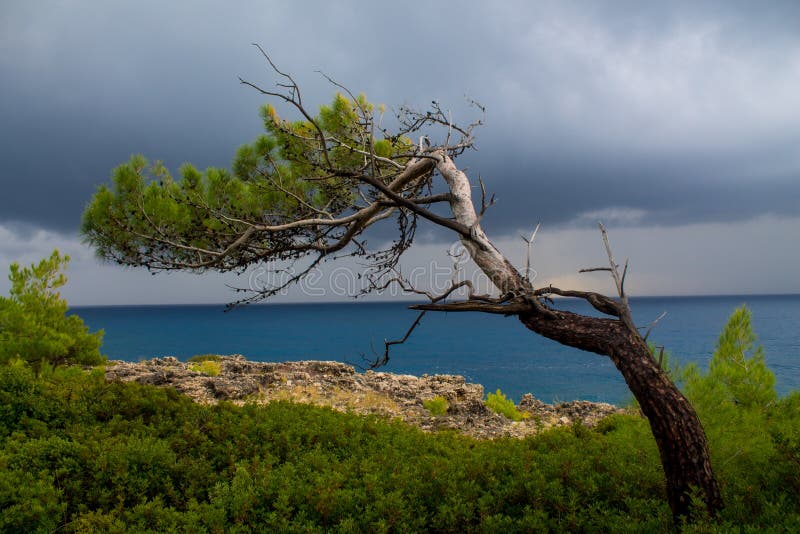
29 501
498 403
744 421
206 367
78 454
437 405
737 372
204 358
34 324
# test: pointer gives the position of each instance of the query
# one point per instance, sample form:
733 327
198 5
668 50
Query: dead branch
484 205
529 242
599 302
625 310
661 357
653 324
378 362
294 98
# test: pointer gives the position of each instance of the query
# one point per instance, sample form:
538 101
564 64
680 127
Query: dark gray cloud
654 114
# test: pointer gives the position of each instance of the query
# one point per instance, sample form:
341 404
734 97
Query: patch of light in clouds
663 261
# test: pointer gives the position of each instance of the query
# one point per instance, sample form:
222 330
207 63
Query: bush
206 367
744 421
34 324
498 403
436 405
78 454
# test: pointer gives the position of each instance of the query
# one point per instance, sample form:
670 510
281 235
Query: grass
206 367
436 406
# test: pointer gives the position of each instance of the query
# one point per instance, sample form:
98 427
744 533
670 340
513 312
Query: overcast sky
676 123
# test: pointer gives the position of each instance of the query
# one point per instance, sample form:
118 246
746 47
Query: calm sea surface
495 351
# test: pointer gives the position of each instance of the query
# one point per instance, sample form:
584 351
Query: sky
675 123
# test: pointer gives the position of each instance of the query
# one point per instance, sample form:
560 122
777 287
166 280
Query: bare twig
294 98
484 204
624 274
529 242
613 266
653 324
433 298
625 309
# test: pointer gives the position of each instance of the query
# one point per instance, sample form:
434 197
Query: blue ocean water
495 351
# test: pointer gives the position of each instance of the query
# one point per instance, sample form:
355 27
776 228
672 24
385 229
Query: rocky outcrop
340 387
567 413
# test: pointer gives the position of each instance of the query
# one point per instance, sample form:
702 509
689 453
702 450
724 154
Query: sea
495 351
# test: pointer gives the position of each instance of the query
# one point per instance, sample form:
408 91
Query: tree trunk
677 429
680 437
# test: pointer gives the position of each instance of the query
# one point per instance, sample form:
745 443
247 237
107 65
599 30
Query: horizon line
400 300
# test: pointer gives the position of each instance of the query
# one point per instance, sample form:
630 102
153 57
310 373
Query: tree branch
408 288
515 308
653 324
599 302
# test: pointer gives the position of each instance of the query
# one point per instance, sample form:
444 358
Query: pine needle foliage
499 403
34 324
737 372
147 217
748 427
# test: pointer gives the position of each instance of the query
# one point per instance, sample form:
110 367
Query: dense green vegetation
88 456
78 454
754 436
273 178
34 325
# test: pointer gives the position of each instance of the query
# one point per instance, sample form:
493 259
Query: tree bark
677 429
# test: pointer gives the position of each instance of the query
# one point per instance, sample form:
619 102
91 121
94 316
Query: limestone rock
339 386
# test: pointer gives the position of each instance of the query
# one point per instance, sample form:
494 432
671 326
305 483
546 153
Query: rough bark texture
677 429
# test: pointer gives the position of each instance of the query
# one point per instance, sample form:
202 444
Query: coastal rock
567 413
339 386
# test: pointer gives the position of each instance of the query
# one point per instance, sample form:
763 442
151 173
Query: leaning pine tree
309 189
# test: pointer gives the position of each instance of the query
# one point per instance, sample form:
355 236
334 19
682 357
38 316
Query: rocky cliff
340 387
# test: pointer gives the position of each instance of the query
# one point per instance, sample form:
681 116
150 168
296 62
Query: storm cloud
685 113
645 115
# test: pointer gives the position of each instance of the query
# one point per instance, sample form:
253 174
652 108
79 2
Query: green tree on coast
34 324
310 189
749 427
737 372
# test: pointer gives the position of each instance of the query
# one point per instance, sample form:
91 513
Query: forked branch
406 286
529 243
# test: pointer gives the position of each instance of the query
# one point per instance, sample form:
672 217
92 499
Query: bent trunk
679 435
